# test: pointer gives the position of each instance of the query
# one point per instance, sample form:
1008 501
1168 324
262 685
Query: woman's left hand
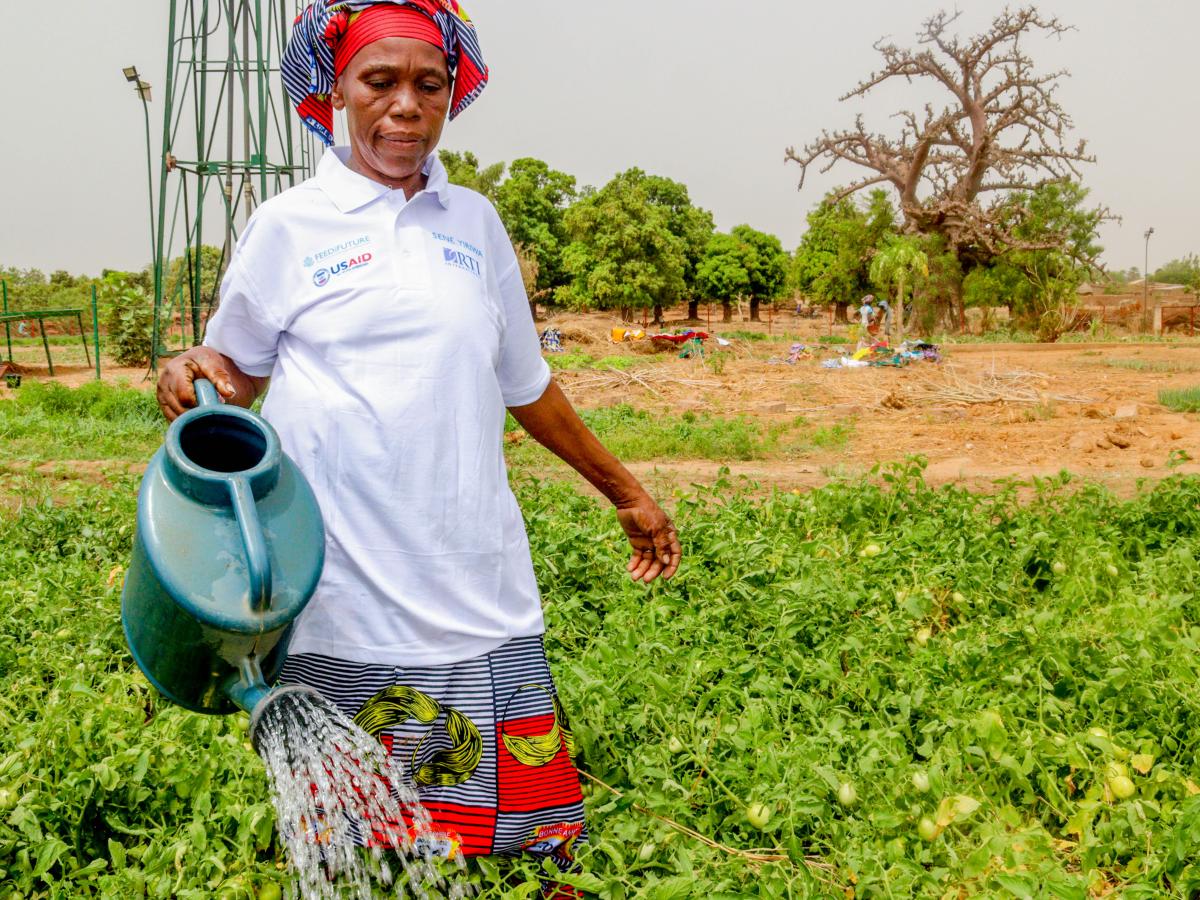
656 549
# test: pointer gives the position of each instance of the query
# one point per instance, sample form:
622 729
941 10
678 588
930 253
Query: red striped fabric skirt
486 742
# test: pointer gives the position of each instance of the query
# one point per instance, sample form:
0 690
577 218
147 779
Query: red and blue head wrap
329 32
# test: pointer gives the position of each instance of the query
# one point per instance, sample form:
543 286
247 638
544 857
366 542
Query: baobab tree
955 165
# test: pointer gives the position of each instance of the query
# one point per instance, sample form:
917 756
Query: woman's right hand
176 388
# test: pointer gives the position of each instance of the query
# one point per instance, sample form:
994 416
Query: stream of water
350 821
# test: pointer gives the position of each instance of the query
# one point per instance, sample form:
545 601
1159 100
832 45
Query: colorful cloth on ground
308 61
485 741
552 340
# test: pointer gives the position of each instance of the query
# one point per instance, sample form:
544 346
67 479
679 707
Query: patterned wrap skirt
486 742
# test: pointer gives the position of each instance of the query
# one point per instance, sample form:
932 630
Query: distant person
385 307
883 316
866 311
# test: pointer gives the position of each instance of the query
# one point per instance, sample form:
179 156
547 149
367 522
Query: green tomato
646 851
758 815
927 829
675 745
1115 770
846 794
871 550
920 781
1121 787
1112 570
958 598
1059 567
8 798
923 635
270 891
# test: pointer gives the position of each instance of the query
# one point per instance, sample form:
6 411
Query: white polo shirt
395 333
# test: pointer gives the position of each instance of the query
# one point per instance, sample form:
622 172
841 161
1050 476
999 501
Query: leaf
955 809
1142 763
1017 885
116 852
47 855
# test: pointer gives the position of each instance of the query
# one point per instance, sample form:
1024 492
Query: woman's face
396 93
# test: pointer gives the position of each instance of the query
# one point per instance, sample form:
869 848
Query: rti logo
459 260
322 277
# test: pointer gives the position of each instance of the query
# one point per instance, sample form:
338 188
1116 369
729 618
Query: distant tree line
636 243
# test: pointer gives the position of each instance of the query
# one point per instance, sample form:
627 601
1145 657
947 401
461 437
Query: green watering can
228 551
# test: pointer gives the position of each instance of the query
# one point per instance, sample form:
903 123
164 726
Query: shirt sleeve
242 328
522 372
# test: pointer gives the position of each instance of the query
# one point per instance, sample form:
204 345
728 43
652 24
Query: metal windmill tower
229 141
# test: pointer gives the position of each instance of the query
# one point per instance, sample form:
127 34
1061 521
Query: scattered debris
995 387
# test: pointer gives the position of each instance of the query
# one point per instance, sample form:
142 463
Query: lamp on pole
143 91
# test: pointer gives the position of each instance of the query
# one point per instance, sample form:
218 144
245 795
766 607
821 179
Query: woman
386 309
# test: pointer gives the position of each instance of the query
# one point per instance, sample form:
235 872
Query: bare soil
1083 408
1080 409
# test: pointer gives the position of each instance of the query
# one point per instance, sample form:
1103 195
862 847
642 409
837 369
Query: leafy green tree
1055 245
623 254
464 169
900 263
532 201
722 273
832 263
1184 271
127 306
690 224
766 264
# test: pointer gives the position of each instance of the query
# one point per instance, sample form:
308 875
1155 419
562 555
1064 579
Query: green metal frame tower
229 141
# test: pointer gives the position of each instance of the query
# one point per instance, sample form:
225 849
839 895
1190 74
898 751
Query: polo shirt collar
350 191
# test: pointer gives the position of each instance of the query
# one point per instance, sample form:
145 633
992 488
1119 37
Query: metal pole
7 333
95 332
83 337
230 54
262 102
159 246
201 170
1146 278
149 168
46 346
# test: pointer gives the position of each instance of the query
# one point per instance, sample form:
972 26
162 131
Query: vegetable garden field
880 687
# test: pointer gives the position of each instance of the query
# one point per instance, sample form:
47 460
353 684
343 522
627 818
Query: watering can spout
247 687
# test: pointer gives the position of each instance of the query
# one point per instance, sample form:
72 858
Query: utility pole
1146 277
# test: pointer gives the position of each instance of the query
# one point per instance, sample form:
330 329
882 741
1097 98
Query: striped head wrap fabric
310 61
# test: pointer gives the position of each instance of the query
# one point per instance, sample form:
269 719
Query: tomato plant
950 714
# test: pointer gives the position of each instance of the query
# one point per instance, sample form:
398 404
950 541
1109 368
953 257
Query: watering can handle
258 562
206 394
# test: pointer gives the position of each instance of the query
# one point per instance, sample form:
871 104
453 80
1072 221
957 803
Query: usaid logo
322 277
459 260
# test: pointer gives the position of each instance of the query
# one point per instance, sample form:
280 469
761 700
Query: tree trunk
958 312
726 311
900 312
693 311
754 302
626 314
658 314
839 314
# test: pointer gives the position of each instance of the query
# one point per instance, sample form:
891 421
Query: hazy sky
708 93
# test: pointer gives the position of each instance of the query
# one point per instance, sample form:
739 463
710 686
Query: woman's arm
553 423
176 393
